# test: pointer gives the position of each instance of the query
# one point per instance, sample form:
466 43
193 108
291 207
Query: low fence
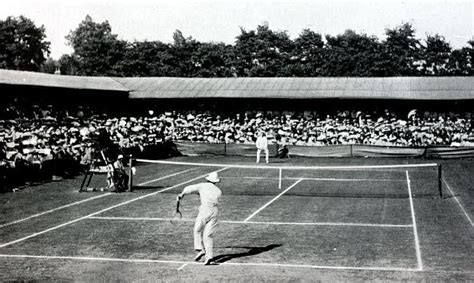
190 149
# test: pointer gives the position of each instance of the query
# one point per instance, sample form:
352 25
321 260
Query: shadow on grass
250 252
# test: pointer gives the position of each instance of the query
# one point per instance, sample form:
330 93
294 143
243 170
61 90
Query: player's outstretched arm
186 191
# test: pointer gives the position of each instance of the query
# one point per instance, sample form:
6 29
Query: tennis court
304 219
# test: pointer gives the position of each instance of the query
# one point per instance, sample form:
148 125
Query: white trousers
204 228
258 154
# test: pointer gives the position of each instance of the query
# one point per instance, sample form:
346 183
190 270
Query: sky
221 20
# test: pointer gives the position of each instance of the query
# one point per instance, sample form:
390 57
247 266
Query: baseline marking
415 230
274 199
53 210
167 176
260 223
101 211
458 202
307 266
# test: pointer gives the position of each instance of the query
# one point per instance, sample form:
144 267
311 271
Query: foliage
23 45
96 49
262 52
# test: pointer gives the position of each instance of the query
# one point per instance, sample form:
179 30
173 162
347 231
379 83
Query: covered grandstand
395 88
315 100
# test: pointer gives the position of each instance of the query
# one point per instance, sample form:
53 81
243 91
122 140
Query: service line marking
415 230
259 222
274 199
103 210
276 265
317 179
54 209
167 176
458 202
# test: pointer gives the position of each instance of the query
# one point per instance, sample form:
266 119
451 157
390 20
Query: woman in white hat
206 221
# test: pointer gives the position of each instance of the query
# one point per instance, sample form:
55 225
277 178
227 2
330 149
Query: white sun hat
213 177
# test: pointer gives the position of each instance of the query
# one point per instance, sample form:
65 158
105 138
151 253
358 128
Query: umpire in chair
120 177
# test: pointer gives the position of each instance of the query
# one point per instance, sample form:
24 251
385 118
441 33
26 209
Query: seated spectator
120 177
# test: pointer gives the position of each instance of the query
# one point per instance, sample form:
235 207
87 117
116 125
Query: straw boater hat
213 178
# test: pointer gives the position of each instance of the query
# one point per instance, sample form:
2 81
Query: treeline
262 52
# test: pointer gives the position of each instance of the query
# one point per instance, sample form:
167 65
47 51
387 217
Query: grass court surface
321 225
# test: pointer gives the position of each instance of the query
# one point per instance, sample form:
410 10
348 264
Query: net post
279 178
440 181
130 173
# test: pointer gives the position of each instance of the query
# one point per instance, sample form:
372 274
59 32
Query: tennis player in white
206 221
262 144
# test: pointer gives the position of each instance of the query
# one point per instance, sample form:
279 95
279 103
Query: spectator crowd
49 145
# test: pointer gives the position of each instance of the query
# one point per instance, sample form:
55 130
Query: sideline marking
103 210
274 199
167 176
260 223
459 203
415 231
307 266
53 210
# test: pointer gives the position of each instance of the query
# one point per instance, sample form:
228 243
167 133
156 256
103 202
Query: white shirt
209 193
262 143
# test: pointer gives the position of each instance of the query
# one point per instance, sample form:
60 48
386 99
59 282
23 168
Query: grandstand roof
420 88
9 77
402 88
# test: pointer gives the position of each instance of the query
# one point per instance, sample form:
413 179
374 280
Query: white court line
89 199
101 211
165 177
53 210
289 167
316 179
139 218
415 230
322 224
307 266
275 198
261 223
182 266
459 203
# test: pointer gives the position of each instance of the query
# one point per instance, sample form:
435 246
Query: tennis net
369 181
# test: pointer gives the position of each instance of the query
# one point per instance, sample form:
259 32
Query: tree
69 65
23 45
49 66
214 60
352 54
461 61
307 55
403 51
97 50
181 52
148 58
436 56
263 53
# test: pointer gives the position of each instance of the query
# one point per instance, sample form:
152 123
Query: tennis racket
177 214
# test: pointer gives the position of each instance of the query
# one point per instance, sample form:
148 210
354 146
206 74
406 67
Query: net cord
280 168
420 165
